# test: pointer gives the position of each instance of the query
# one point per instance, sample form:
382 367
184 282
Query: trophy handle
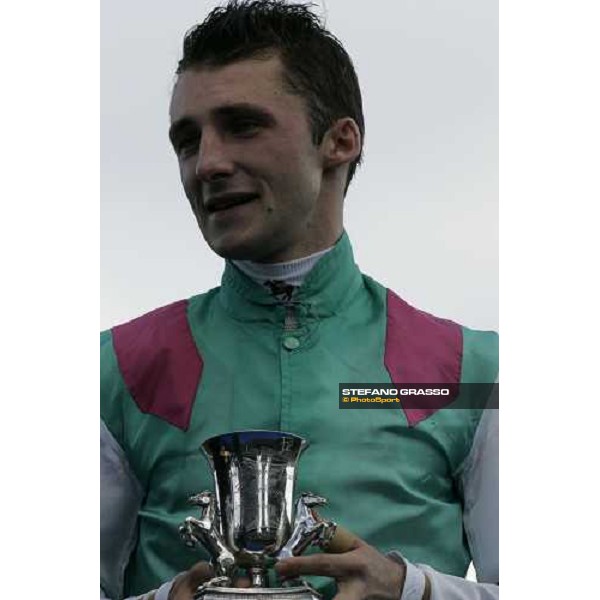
204 531
309 528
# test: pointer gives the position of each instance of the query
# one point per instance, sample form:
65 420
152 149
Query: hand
185 585
361 573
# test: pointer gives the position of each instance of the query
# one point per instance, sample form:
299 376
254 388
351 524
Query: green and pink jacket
237 358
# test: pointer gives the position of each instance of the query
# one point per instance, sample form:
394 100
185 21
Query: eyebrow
244 109
240 109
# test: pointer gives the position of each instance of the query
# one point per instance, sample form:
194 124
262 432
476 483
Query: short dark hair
316 66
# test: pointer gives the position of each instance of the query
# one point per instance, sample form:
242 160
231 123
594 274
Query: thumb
198 574
343 541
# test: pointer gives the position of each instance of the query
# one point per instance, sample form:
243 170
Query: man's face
248 165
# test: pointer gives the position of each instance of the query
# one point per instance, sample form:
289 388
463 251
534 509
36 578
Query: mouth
224 202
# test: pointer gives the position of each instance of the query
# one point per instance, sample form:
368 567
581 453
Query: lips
225 201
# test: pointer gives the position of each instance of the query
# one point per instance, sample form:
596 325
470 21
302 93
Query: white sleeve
479 484
120 500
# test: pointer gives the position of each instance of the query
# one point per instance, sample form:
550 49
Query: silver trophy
251 521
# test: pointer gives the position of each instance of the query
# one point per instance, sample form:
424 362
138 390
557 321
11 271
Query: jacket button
291 342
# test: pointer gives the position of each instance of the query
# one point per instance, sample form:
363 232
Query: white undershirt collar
293 272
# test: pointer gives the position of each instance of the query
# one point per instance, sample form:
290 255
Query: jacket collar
326 290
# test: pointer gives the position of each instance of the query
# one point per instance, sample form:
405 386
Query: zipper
290 322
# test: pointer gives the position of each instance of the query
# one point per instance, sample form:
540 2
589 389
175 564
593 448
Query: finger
328 565
350 594
348 590
242 582
200 573
343 540
185 584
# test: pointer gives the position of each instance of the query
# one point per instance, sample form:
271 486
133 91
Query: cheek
305 180
298 172
188 178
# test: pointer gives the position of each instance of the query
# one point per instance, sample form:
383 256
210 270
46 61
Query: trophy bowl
251 520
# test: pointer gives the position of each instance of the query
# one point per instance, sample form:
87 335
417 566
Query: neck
292 272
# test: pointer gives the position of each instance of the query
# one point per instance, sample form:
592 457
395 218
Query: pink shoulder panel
160 363
421 348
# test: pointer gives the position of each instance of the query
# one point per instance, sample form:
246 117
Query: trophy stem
259 577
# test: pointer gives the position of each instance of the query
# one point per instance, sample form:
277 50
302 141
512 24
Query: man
267 124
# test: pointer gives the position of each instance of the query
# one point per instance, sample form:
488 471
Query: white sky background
422 210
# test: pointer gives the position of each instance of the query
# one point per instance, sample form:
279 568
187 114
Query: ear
341 143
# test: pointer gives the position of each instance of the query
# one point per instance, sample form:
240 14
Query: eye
187 145
244 127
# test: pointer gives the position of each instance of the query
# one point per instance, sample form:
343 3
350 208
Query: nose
213 160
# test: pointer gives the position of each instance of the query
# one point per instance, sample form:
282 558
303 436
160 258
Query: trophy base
304 592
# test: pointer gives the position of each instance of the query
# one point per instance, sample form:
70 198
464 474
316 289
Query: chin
237 249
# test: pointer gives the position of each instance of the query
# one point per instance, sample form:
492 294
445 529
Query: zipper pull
280 289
